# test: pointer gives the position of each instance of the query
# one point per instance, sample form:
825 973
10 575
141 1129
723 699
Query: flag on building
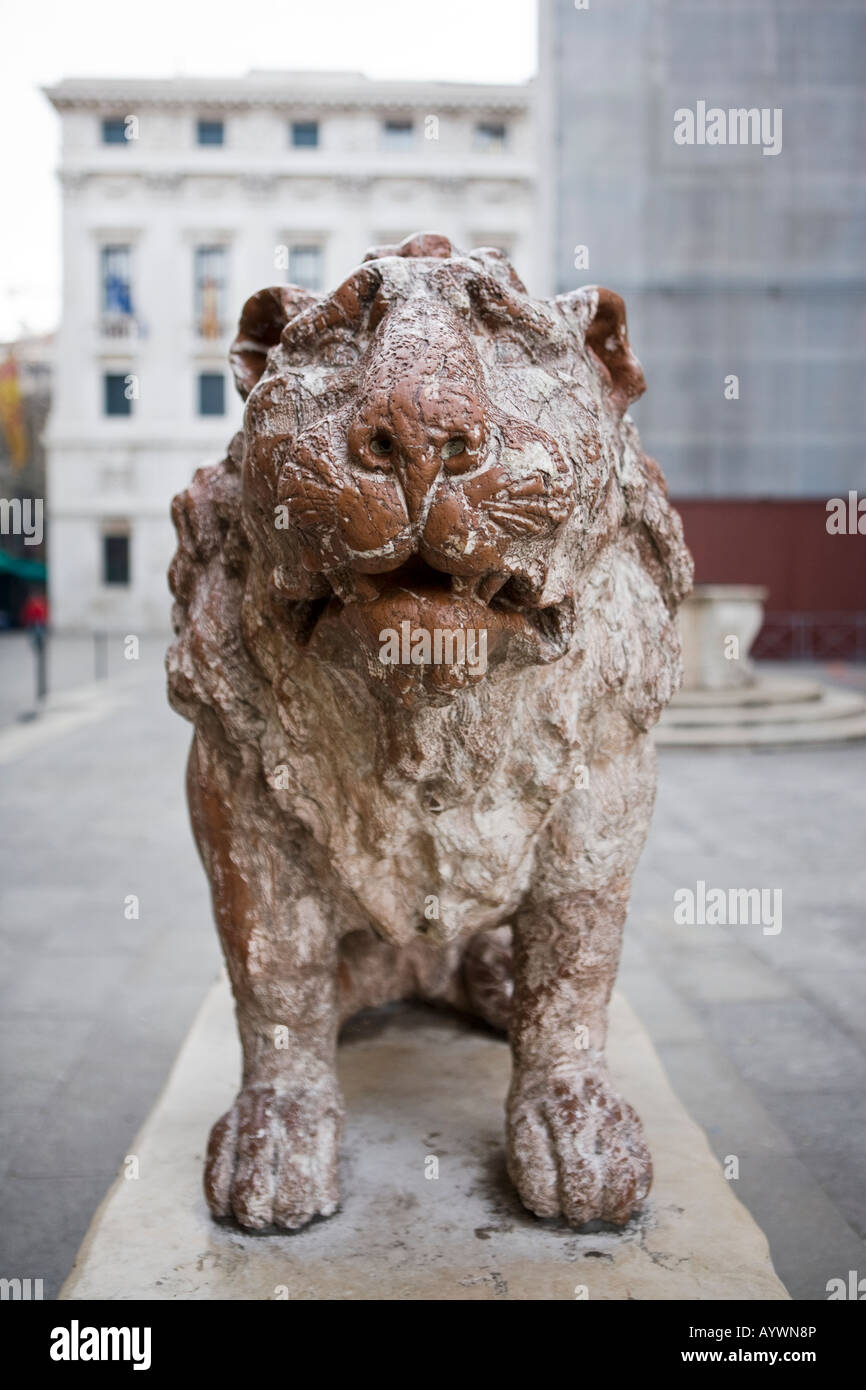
210 326
12 422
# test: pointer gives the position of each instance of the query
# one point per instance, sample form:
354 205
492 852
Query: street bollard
40 646
100 655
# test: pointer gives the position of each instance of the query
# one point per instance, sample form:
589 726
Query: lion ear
600 316
262 320
418 244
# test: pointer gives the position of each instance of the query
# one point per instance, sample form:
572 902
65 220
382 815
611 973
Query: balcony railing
120 326
210 329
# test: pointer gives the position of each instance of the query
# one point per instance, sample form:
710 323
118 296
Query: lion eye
381 445
453 447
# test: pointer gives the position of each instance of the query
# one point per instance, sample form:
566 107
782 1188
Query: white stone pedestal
709 618
418 1084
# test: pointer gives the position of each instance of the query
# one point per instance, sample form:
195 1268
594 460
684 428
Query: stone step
832 705
765 735
766 690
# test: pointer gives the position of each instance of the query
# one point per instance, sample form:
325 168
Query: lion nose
415 431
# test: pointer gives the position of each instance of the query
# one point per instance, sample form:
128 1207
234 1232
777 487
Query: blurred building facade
181 198
734 264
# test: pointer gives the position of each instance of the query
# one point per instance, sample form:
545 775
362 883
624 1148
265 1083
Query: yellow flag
210 320
12 419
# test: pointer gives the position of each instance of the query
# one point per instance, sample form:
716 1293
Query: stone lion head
432 464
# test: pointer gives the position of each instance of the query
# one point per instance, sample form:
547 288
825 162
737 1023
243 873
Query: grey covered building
733 262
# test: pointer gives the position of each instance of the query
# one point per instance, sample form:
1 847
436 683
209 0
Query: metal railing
811 637
119 326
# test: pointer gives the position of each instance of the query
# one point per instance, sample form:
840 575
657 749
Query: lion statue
425 617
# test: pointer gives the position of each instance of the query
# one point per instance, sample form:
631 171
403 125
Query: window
490 135
210 290
115 282
115 557
118 399
114 130
305 267
210 133
211 393
305 134
397 135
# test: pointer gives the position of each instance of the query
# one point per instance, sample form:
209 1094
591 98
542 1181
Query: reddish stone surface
427 451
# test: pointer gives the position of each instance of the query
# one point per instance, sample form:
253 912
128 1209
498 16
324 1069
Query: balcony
120 325
209 328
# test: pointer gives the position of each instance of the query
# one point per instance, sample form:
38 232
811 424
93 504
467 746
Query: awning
23 568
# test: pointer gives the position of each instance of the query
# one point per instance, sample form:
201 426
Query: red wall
784 545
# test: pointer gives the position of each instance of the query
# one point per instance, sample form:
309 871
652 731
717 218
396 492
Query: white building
182 197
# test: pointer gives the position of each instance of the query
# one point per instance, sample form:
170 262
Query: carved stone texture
429 456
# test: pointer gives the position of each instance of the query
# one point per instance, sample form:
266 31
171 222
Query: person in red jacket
34 616
34 611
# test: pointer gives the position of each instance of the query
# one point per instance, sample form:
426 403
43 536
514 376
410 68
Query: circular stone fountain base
774 711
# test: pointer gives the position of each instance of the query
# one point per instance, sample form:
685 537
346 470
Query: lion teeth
479 586
462 587
490 585
352 588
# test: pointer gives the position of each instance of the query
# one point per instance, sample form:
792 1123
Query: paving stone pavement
71 662
763 1036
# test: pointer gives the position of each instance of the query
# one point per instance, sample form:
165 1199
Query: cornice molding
294 92
265 180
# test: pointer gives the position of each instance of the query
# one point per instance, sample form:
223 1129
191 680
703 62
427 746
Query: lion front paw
575 1149
272 1158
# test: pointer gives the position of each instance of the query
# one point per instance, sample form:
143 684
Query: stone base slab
419 1085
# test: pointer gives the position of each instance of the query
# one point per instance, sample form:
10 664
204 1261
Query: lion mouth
553 624
498 604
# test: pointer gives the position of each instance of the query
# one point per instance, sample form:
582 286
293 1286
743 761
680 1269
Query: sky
45 40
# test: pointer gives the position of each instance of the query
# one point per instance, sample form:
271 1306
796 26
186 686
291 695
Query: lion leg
272 1158
487 969
473 977
371 972
574 1148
